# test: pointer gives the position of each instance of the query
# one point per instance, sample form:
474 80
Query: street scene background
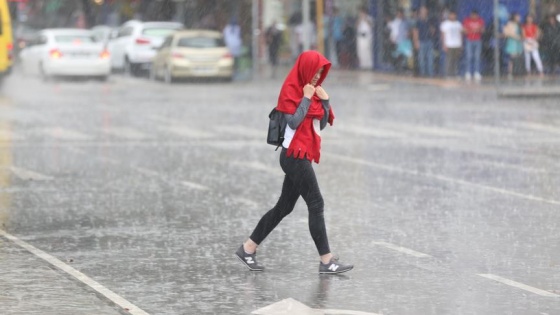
129 194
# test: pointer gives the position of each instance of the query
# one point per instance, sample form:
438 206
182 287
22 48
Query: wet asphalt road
444 197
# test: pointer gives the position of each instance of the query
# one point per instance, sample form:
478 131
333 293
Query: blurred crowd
415 41
428 44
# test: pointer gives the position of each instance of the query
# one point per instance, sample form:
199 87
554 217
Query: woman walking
306 107
531 33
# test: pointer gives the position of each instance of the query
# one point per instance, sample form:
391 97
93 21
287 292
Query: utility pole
320 29
256 34
496 44
306 11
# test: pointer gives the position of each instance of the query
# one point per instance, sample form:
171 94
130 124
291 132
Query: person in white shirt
452 42
364 40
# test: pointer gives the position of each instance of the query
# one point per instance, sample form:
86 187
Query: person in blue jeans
424 35
473 26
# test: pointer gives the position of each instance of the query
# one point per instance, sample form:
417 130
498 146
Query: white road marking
287 306
187 132
513 166
401 249
125 133
442 178
194 185
291 306
115 298
519 285
66 134
501 131
247 202
28 174
540 127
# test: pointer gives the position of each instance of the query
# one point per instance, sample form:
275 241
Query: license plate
80 55
204 70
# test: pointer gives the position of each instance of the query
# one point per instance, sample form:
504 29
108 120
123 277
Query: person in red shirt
531 34
473 26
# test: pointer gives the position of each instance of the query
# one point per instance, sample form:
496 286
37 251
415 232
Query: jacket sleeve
295 120
326 108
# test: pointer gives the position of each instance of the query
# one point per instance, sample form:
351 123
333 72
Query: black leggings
300 180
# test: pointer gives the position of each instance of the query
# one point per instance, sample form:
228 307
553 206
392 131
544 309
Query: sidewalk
30 286
533 86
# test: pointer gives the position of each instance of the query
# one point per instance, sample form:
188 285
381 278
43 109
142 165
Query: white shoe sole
334 272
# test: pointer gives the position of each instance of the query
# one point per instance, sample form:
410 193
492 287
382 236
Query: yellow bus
6 41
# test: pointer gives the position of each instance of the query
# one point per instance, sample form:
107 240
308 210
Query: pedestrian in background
531 34
424 35
306 108
348 55
550 43
400 39
452 43
473 26
337 32
274 40
232 38
514 43
364 40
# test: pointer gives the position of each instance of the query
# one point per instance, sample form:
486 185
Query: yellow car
192 54
6 41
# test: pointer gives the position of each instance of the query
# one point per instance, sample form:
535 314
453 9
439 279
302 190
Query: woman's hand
308 91
321 93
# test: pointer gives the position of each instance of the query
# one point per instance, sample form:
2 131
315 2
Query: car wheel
129 68
168 77
152 75
44 76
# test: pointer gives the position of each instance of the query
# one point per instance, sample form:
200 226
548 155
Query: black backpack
276 128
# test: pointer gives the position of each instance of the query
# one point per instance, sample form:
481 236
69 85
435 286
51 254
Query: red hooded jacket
306 142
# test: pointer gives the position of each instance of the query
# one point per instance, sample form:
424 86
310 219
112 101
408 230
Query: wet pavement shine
444 197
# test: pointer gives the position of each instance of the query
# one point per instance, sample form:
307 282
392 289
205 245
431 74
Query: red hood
307 64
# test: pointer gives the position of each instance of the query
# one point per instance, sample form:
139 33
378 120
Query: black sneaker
334 266
249 260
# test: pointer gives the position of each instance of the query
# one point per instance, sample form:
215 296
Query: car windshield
74 39
159 31
200 42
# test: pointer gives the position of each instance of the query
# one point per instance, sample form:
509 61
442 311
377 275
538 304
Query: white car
66 52
136 43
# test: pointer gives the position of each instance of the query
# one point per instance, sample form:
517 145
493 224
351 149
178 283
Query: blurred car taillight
10 51
142 41
55 54
177 55
104 54
228 55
